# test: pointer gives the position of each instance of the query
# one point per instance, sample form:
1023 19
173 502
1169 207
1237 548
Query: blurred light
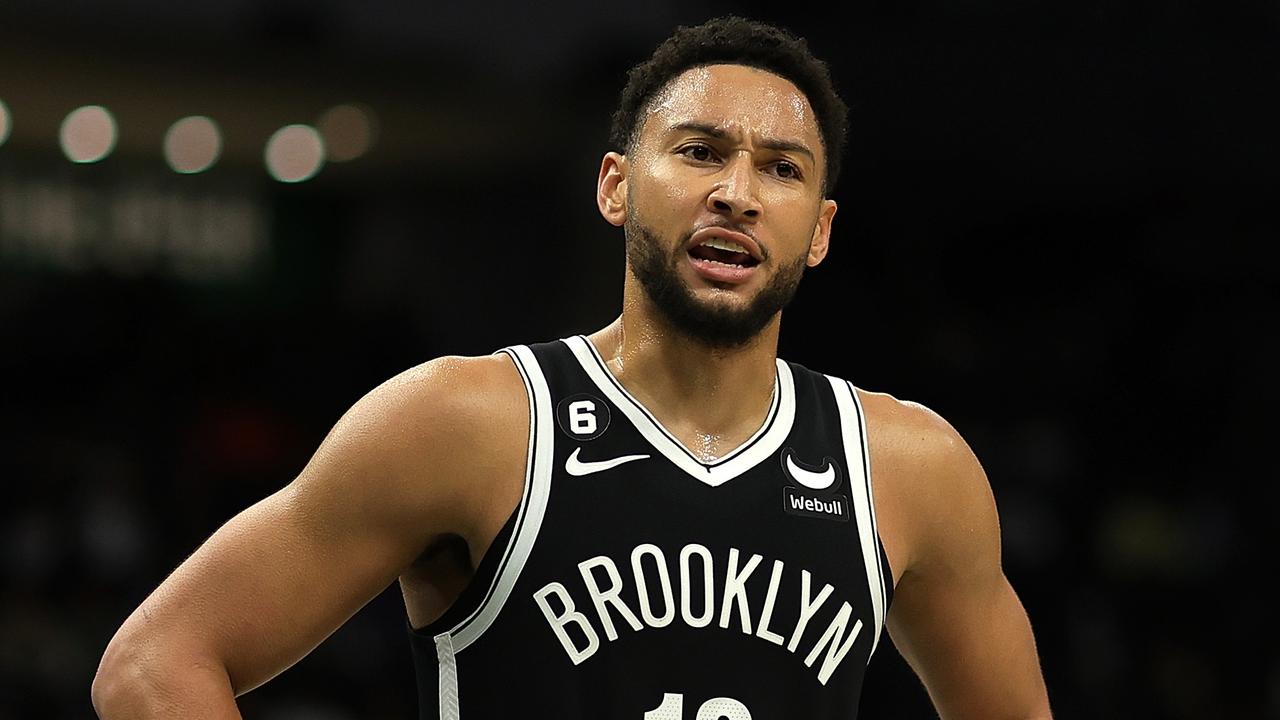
5 125
295 153
348 131
192 145
88 134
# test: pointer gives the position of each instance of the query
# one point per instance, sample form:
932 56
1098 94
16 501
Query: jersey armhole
511 556
473 595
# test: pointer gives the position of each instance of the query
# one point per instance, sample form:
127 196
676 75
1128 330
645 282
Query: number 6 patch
582 416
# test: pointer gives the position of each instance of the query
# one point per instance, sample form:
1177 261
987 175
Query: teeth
722 244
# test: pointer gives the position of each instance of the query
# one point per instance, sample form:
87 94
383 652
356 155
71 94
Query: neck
711 398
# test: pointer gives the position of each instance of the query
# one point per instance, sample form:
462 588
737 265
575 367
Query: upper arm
955 617
280 576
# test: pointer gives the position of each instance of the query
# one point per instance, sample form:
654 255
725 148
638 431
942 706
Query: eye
698 152
787 171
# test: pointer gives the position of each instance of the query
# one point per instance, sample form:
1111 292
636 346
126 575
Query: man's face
723 200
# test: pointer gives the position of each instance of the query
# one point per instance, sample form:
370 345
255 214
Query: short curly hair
736 41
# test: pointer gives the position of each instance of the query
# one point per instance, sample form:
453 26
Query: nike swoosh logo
578 468
808 478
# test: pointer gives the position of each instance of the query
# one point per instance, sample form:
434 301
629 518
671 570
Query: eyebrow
720 133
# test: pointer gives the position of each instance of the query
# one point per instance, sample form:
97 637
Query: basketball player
657 521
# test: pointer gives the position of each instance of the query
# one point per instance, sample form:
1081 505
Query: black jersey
636 582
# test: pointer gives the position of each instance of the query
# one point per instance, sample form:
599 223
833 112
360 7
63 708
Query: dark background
1056 229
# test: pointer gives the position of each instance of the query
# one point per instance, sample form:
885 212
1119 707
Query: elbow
125 685
115 691
105 694
137 679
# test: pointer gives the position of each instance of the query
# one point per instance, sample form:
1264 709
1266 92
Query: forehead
737 98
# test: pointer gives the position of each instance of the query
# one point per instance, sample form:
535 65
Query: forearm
154 687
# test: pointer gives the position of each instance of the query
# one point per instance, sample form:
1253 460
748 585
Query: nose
735 191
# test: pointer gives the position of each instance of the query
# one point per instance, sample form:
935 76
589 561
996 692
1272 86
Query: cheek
798 224
677 192
788 207
661 186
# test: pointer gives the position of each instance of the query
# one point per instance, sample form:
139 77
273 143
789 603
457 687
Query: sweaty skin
400 487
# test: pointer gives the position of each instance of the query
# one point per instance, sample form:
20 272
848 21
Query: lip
715 231
722 274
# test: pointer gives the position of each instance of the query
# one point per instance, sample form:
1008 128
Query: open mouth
723 252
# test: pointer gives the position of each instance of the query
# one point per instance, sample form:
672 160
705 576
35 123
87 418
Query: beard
716 325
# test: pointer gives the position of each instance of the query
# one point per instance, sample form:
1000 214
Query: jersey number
581 417
672 708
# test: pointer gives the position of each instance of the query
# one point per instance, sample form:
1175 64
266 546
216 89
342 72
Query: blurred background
222 223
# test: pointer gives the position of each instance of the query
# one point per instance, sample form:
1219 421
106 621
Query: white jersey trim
533 504
448 673
763 443
853 428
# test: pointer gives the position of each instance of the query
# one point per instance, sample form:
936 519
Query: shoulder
448 395
931 491
437 434
903 434
452 391
901 430
908 431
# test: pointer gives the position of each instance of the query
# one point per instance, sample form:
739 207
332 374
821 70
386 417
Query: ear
611 188
821 233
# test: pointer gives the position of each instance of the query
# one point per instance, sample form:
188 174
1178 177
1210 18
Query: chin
720 300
